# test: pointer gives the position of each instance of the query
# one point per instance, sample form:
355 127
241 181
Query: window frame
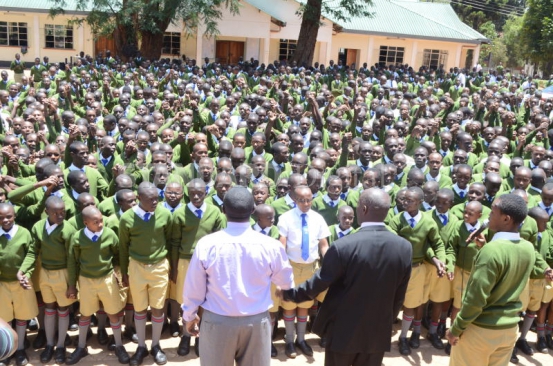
174 40
14 34
392 55
286 48
59 37
433 58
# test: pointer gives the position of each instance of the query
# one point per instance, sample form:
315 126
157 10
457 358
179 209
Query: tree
513 42
311 12
537 33
495 50
134 22
477 12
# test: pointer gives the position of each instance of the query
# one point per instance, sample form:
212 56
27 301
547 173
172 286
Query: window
287 49
13 34
58 36
434 58
171 43
391 55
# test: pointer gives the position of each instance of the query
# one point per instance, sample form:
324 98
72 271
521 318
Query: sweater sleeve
124 239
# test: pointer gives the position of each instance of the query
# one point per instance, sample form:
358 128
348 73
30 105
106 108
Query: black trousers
353 359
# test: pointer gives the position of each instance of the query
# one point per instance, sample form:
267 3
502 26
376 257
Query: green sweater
92 259
330 214
544 246
425 234
459 253
188 229
500 273
334 234
145 242
52 249
29 196
108 206
16 254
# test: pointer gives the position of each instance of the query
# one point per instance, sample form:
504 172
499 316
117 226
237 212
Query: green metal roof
413 19
43 6
268 8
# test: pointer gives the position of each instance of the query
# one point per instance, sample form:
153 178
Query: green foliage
477 12
537 32
496 47
513 41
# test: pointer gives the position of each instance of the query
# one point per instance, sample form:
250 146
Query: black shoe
60 355
102 337
184 346
130 334
441 330
514 358
159 356
122 355
139 356
47 354
435 340
197 346
322 342
40 339
448 349
304 348
67 341
5 362
404 348
522 344
77 355
32 325
414 341
290 350
549 341
174 329
274 352
20 357
541 345
111 343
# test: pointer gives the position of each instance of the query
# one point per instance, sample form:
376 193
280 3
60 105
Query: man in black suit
366 274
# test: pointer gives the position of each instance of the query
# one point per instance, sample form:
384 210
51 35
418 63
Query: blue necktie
293 204
105 162
8 236
94 238
444 219
161 194
472 230
255 181
147 216
412 222
462 194
304 237
547 209
206 189
343 196
341 235
263 232
198 213
331 203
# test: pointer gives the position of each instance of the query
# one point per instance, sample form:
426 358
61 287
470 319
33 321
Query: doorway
229 52
348 56
102 44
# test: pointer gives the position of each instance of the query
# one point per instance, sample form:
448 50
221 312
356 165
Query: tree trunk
150 44
305 48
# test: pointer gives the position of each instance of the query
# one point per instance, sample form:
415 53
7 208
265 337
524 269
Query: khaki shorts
176 290
53 286
35 277
148 284
482 346
414 296
16 302
436 289
547 293
105 289
531 296
302 272
460 280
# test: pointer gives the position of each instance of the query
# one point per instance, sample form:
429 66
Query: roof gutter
399 35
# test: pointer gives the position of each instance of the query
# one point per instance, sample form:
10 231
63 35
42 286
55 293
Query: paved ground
425 355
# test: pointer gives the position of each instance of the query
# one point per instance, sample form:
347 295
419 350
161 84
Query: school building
407 31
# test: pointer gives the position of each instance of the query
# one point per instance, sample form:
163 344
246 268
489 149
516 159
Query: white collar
327 199
11 232
74 194
89 234
140 212
166 205
430 178
258 228
289 201
72 167
427 206
255 154
545 207
408 217
49 228
193 208
470 227
218 200
504 235
370 223
457 189
345 232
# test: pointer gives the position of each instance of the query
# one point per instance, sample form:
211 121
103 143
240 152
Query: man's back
370 270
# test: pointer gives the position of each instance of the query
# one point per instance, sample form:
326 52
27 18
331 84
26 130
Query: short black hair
512 205
238 204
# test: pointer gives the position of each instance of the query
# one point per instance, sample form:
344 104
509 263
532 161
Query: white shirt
458 190
345 232
546 208
140 212
193 208
327 200
258 228
218 200
408 217
231 271
505 235
471 228
11 232
49 228
289 201
430 178
73 167
290 226
74 194
171 209
89 234
427 206
370 223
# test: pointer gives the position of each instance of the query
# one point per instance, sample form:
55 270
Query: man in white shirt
230 277
304 234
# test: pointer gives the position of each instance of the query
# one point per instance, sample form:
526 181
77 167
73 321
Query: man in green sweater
144 240
190 223
488 317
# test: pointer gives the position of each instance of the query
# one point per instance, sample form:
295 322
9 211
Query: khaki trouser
484 347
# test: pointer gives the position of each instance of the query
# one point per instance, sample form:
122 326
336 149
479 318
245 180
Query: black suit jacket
366 274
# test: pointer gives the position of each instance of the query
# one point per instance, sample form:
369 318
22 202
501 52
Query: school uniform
327 208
